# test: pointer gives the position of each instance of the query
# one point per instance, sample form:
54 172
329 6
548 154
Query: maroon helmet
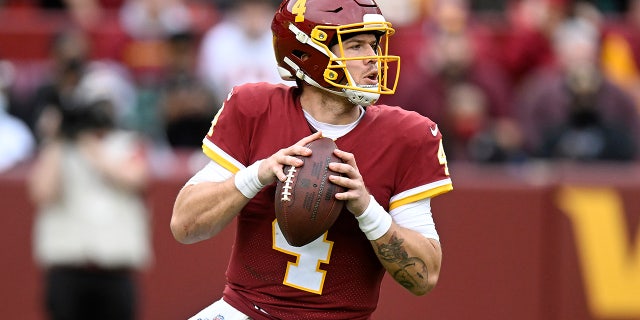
310 28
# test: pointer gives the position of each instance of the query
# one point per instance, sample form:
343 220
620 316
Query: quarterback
336 51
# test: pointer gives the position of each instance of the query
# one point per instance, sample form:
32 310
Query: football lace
286 189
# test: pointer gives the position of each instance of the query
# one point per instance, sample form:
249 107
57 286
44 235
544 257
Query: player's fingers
296 150
307 139
340 168
274 165
346 169
284 161
277 171
291 161
287 155
346 157
342 181
351 194
280 175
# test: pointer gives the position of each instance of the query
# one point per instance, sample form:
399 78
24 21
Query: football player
394 163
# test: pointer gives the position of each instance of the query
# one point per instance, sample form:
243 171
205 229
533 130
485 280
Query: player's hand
357 195
272 168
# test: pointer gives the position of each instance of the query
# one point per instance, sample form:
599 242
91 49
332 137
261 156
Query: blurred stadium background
527 233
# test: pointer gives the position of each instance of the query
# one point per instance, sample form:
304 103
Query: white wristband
374 221
247 181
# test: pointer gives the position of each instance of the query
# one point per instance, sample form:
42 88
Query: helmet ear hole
303 56
300 54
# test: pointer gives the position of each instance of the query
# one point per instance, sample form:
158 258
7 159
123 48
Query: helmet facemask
360 94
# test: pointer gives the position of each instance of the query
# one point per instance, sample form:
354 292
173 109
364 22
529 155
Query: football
305 202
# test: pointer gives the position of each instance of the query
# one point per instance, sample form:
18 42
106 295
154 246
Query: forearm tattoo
412 271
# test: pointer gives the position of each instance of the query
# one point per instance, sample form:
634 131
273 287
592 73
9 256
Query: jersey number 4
305 273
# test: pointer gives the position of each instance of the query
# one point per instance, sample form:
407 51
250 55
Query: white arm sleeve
416 216
212 172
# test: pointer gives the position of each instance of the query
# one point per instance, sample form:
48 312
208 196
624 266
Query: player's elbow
428 286
188 230
183 228
184 222
429 278
179 230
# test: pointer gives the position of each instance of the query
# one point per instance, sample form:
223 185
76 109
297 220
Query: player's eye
354 46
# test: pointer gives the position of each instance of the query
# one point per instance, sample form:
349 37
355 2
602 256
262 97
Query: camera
94 116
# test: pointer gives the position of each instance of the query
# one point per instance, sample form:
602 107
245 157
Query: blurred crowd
89 87
506 81
539 79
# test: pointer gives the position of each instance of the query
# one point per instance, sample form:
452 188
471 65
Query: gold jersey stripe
422 195
219 160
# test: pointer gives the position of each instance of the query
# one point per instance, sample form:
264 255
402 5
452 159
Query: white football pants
220 310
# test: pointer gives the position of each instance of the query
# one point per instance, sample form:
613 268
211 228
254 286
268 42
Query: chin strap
362 98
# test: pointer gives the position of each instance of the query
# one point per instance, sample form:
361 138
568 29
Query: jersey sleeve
229 152
424 172
249 125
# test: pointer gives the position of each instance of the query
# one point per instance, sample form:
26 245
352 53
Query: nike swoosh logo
434 130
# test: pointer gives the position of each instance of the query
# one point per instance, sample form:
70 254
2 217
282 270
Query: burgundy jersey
399 154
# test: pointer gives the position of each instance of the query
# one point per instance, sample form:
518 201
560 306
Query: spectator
402 12
473 133
69 55
72 71
175 106
91 231
239 48
16 140
186 103
573 111
84 13
528 37
455 84
107 79
154 19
